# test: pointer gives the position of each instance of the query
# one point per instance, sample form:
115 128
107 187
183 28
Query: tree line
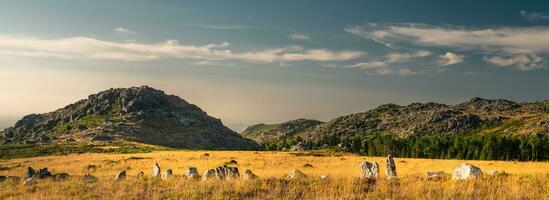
492 146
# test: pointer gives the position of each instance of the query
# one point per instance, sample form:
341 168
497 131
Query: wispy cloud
92 49
299 36
383 67
450 58
222 27
124 31
508 41
523 62
534 16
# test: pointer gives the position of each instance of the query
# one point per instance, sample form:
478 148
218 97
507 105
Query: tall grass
528 180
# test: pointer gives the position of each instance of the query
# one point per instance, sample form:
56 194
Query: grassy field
528 180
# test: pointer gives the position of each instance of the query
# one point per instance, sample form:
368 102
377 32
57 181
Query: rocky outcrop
141 114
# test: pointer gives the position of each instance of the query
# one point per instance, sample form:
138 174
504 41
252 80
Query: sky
259 61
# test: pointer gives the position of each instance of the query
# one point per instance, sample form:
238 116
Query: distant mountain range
476 116
140 114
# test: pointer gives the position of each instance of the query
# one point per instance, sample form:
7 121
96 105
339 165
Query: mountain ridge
475 116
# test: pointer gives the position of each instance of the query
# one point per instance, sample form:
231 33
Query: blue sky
270 61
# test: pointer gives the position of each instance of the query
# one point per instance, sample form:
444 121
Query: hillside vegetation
477 129
526 180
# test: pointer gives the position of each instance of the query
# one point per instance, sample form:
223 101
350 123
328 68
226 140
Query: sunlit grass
528 180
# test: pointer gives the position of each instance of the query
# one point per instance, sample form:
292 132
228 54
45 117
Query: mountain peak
141 114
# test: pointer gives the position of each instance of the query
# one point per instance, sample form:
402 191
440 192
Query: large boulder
391 167
466 171
370 170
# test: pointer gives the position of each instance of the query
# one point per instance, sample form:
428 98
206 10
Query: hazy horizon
249 62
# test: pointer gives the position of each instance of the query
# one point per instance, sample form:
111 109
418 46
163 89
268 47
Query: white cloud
123 31
404 57
383 67
533 16
507 41
92 49
299 36
524 62
450 58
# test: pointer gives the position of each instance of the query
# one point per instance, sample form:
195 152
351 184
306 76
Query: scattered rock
30 181
298 147
168 174
296 174
466 171
231 162
89 178
226 173
61 176
141 174
91 167
307 165
249 175
30 172
44 173
13 178
497 173
369 170
156 170
435 175
192 173
391 168
121 176
210 174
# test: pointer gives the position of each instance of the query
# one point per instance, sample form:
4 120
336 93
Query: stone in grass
156 170
296 174
121 176
249 175
370 170
168 174
192 173
141 174
466 171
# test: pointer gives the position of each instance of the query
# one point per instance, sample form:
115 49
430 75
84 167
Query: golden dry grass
528 180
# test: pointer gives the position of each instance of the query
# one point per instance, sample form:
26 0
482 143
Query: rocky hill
272 132
476 116
139 114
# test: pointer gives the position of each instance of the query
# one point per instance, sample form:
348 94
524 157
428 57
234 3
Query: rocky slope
476 116
140 114
272 132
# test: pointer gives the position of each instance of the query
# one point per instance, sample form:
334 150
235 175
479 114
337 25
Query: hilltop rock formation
140 114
